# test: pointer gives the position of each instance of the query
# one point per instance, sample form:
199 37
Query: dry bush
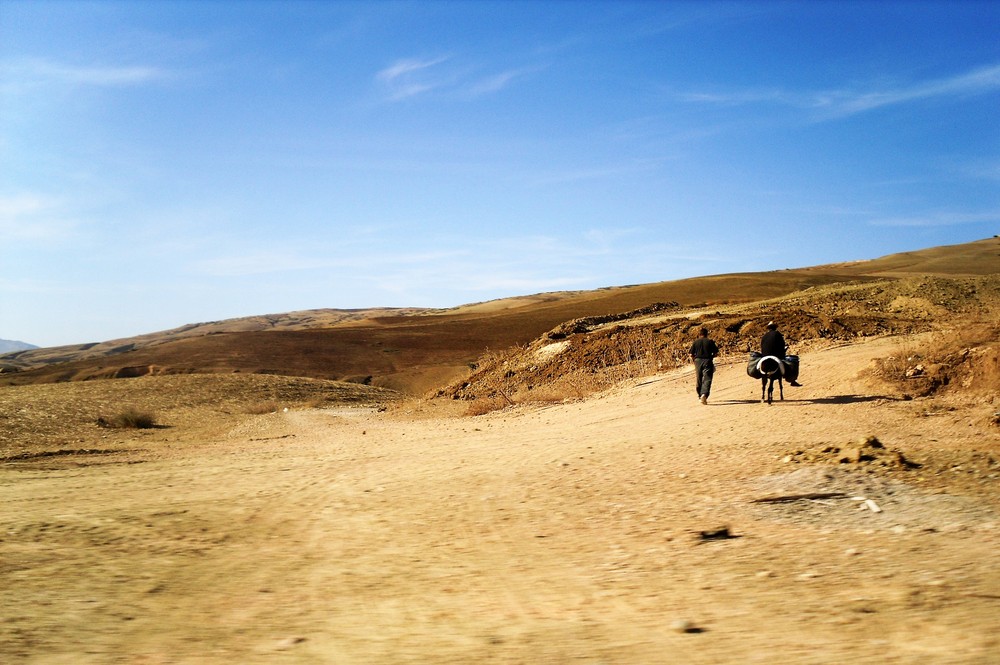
130 418
260 408
927 365
479 407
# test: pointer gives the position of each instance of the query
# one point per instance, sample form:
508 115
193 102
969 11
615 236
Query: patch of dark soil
58 453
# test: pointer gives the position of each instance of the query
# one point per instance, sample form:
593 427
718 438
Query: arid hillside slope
415 350
587 355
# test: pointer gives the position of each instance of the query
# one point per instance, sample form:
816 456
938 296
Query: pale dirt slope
562 534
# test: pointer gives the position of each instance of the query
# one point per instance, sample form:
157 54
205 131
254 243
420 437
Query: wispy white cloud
403 68
33 287
26 73
611 171
268 262
844 102
255 263
34 218
936 219
985 170
408 78
497 82
746 97
411 77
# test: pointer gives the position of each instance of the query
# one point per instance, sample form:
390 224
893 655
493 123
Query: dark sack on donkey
791 368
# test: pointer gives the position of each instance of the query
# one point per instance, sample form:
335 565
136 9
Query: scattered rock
288 643
868 450
685 626
722 533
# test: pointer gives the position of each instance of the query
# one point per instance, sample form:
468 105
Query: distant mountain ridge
413 349
12 345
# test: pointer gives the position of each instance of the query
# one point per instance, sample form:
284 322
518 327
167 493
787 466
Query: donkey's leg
781 388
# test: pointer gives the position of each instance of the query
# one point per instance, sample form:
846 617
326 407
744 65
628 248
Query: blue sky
166 163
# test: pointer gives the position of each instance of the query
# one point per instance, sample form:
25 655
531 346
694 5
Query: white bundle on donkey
770 369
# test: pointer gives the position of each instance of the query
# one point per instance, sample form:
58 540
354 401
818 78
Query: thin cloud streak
31 72
978 81
835 104
402 78
35 219
413 77
261 263
938 219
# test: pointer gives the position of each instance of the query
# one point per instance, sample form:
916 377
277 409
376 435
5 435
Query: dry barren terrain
589 531
592 512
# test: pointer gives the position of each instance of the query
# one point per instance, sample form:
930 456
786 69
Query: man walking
702 353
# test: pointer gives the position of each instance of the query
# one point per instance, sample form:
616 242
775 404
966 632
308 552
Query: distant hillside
10 345
415 350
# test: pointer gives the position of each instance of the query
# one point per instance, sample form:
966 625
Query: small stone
899 529
850 456
288 643
870 441
762 574
683 626
851 551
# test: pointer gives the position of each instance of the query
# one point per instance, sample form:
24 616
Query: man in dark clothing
773 344
702 352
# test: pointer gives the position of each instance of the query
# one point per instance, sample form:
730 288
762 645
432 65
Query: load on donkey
773 363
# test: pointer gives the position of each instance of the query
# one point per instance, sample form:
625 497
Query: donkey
771 370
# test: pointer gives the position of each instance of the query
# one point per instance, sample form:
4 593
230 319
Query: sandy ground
567 533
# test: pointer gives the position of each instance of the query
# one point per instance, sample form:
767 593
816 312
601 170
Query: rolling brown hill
414 350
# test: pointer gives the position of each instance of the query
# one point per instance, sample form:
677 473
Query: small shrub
482 406
923 367
260 408
128 419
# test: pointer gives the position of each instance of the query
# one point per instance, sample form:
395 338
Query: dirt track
557 534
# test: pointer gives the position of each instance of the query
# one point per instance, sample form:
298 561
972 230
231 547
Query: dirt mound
866 452
587 355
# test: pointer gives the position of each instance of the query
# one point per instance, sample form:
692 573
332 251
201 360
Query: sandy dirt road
551 534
